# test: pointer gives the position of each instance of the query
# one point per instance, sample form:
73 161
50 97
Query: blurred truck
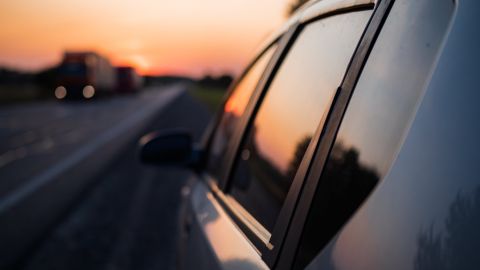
84 75
128 80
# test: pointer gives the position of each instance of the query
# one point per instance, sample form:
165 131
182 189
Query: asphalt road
127 219
35 137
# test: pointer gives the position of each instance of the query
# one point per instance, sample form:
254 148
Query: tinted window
73 69
295 104
379 114
233 110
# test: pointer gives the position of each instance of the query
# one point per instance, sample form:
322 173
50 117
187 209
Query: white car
350 142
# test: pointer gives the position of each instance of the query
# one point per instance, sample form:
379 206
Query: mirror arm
197 159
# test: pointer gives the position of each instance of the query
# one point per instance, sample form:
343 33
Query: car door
400 154
259 153
195 251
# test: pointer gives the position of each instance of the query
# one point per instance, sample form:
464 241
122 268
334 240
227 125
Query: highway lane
35 137
43 174
128 220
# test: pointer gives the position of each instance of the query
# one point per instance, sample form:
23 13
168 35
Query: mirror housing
170 147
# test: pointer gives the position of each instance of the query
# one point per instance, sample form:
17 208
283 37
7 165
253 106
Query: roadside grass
210 96
17 93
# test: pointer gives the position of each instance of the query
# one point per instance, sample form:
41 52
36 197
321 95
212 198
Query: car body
350 142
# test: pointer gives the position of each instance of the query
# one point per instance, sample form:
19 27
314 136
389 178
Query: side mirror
171 147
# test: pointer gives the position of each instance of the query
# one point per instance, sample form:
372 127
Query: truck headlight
60 92
88 91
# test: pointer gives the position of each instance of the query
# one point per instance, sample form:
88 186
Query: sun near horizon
185 37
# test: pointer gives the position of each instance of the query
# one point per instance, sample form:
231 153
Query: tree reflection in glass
294 107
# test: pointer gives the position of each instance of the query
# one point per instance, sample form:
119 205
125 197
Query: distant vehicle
351 141
128 80
84 75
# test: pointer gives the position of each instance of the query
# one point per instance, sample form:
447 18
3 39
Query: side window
378 115
233 110
295 105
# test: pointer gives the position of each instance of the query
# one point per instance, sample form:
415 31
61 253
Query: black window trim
293 196
218 186
270 248
282 45
288 250
209 134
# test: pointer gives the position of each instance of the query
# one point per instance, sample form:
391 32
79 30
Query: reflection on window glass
233 110
379 114
296 103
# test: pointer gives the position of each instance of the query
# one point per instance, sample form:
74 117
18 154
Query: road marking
13 155
51 173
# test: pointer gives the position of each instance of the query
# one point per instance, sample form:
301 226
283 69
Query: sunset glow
157 37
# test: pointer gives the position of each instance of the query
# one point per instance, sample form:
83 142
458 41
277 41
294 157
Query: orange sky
192 37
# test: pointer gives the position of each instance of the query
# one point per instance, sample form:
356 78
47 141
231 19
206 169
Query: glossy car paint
425 208
378 116
216 242
211 238
425 213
